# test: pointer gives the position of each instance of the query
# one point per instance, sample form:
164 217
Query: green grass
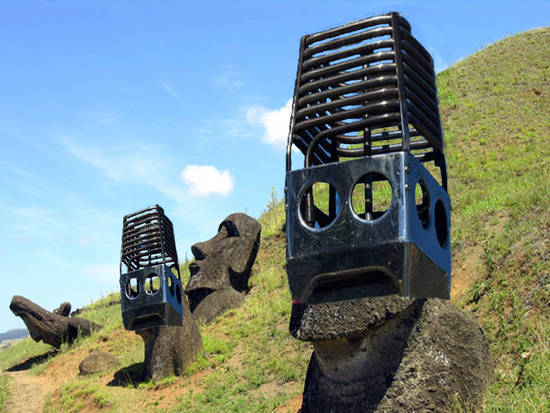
4 381
243 374
495 108
83 394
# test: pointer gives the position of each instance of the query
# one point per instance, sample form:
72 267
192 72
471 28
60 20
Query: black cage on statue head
150 284
365 217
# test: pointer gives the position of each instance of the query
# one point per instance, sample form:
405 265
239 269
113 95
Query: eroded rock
49 327
97 362
221 270
425 357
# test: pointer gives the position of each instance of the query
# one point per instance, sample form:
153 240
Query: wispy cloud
229 130
28 222
439 63
228 79
100 118
76 224
20 180
169 88
134 163
274 123
205 180
103 273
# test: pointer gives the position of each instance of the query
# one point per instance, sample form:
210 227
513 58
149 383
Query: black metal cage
150 284
365 112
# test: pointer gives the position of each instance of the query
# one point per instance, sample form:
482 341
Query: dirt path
26 392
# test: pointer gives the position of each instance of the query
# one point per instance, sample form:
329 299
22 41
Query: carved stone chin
361 357
424 358
222 266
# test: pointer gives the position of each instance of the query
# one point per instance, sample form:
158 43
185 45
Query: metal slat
346 84
148 239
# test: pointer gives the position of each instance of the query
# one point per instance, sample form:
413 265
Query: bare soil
27 392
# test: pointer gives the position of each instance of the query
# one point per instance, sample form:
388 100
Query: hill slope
495 106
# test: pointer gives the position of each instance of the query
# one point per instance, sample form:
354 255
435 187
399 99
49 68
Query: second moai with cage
150 284
365 113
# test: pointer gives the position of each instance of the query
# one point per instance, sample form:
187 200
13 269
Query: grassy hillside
496 111
496 106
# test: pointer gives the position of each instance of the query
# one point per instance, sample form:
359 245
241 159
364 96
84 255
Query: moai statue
151 294
222 266
368 228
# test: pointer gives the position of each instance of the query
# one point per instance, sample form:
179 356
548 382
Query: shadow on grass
129 376
33 361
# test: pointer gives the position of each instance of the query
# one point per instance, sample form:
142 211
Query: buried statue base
391 354
169 350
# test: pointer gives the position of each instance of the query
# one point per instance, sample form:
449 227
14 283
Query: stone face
220 272
169 350
51 328
64 309
423 359
97 362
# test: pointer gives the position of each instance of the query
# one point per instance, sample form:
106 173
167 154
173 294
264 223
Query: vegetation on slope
4 380
495 109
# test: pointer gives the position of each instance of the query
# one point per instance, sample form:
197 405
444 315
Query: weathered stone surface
310 322
97 362
64 309
422 359
217 303
51 328
220 272
169 350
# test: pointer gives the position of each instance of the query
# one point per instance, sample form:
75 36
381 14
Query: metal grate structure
150 282
365 112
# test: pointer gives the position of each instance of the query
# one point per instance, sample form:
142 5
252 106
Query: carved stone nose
198 251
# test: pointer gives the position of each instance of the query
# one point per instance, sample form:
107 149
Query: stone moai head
220 272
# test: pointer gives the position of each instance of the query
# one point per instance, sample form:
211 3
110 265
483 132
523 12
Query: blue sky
109 107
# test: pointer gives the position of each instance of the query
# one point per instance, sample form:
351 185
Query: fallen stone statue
220 272
53 329
64 309
391 354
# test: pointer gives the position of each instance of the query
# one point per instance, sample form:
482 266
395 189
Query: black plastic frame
365 102
148 248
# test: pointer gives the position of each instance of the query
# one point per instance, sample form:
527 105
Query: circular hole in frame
441 224
152 283
422 201
171 286
321 211
371 196
132 288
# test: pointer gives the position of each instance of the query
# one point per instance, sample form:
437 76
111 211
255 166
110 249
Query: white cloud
274 122
205 180
136 163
